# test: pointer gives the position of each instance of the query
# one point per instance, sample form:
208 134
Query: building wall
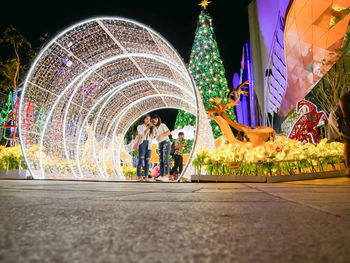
314 30
263 18
259 53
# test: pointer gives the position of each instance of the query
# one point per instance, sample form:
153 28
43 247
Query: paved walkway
53 221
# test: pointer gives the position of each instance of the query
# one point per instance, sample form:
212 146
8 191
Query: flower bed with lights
11 158
282 157
12 164
59 166
129 172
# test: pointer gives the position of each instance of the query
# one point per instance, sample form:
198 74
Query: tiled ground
54 221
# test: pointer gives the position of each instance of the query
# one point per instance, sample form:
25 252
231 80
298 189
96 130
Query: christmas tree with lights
207 70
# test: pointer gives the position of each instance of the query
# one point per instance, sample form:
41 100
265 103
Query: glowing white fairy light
118 119
93 81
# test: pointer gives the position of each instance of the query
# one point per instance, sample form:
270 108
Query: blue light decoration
239 112
251 85
245 110
275 74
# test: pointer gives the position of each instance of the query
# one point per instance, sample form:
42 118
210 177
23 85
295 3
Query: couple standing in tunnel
152 127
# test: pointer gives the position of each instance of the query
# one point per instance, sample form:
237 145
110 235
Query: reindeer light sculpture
256 135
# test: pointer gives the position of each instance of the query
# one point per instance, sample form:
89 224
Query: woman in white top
162 135
146 131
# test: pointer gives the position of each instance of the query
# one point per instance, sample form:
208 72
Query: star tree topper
205 3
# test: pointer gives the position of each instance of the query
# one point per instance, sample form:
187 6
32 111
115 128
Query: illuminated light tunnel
88 86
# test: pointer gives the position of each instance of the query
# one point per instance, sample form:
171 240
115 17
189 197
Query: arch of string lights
88 86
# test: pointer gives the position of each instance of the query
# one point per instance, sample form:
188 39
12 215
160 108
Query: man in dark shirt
178 155
339 127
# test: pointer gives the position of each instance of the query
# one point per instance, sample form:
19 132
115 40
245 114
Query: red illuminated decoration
29 120
305 128
12 120
243 63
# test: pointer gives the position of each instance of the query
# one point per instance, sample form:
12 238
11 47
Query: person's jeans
178 166
164 152
143 160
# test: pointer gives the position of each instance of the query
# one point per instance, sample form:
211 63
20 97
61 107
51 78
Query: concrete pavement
65 221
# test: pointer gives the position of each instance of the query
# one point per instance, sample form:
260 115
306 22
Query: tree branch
5 73
15 79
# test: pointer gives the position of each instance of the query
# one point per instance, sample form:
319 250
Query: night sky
175 20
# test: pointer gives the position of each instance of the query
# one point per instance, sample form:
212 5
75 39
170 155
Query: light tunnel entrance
88 86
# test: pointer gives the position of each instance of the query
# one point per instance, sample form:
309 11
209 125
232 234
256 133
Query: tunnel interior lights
89 85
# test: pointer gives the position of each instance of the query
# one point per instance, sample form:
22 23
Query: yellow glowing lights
204 4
